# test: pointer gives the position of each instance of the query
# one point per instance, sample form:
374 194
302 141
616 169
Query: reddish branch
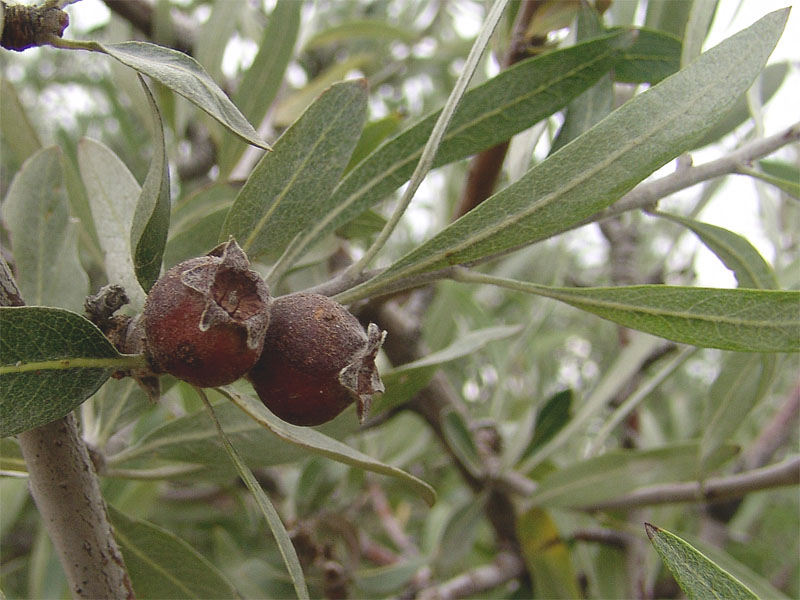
484 170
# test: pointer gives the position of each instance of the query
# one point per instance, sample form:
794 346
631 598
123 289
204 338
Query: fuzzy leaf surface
36 212
113 193
276 526
654 55
162 565
185 76
318 443
736 252
151 218
600 166
491 113
262 80
742 320
291 186
48 340
695 573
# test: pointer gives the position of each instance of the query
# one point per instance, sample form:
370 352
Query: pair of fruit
210 320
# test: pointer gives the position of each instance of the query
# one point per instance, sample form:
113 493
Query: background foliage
519 430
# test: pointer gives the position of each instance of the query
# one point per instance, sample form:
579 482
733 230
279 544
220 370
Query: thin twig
647 194
780 475
470 583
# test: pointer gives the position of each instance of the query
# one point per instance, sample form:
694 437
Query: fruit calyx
232 292
360 377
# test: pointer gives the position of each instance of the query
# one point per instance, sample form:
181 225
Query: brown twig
484 169
139 13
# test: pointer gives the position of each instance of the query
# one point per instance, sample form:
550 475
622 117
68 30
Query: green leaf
458 537
780 174
458 438
215 34
741 384
51 360
162 565
318 443
735 251
550 420
15 126
385 581
113 193
193 441
491 113
195 223
600 166
262 80
36 212
267 509
771 79
695 573
291 186
184 75
742 320
758 584
653 56
697 25
373 134
151 219
289 108
547 557
616 473
596 102
668 15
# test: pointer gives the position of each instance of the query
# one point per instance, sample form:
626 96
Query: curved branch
647 194
782 474
66 491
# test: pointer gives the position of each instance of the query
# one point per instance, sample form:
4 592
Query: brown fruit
206 318
317 360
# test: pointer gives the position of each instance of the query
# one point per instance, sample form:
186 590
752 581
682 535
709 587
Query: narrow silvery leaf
742 320
264 504
696 574
318 443
184 75
43 238
488 114
618 472
600 166
735 251
291 185
261 82
162 565
151 219
113 193
742 383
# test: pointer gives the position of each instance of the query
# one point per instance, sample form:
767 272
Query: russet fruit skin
317 360
206 318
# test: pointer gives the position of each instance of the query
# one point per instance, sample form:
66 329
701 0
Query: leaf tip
651 530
